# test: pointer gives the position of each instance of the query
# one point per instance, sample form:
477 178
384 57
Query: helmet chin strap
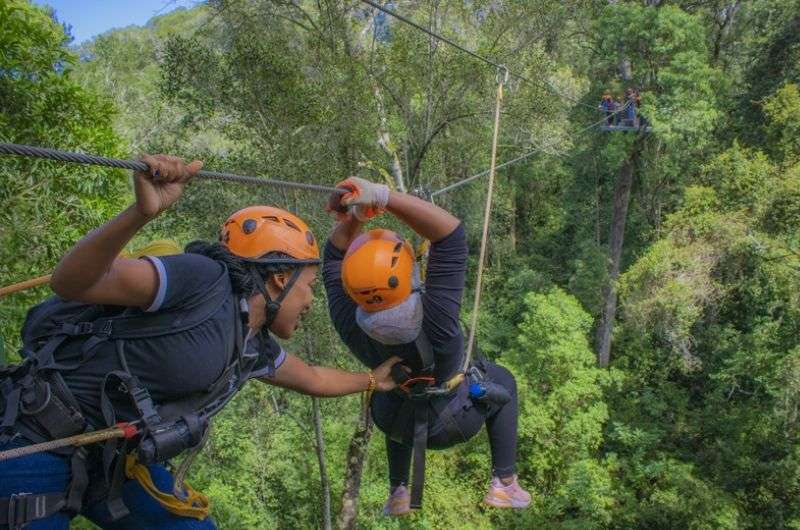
272 307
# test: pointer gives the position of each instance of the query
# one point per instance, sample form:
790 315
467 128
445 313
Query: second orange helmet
377 271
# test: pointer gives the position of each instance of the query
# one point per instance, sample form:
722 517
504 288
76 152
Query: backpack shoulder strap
235 374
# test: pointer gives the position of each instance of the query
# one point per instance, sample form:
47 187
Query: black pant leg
502 424
399 456
385 408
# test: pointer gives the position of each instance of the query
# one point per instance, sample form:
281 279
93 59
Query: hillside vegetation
681 243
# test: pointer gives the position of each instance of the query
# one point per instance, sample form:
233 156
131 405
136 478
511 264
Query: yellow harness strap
194 505
159 247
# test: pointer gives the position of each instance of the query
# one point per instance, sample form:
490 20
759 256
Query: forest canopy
643 286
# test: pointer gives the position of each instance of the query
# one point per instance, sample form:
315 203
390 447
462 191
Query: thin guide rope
467 180
487 211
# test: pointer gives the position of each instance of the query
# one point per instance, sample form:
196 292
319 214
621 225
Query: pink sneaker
511 496
398 503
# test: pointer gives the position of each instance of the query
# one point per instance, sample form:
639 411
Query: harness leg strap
114 503
17 510
420 444
79 482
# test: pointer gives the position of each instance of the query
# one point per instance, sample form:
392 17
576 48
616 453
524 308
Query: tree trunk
727 17
385 142
323 468
355 466
625 69
514 212
622 196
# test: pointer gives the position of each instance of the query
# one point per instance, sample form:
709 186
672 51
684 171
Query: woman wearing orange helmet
381 309
163 343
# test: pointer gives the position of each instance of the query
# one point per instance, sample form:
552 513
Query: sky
89 18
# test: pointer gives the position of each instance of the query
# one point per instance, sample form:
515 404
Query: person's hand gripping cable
365 199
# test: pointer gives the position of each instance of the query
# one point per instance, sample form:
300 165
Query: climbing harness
421 393
135 165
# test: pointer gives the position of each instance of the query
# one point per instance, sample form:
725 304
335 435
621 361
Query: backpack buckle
105 331
81 328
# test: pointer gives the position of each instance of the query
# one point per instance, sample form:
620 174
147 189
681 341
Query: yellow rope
502 78
194 505
21 286
70 441
160 247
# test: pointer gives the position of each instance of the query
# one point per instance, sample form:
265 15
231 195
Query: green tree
45 207
562 412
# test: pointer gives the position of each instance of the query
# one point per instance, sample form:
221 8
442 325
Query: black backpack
37 403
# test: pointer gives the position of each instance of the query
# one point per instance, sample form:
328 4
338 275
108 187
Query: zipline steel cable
513 161
486 60
135 165
500 67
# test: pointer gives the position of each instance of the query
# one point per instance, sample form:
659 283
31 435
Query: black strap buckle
11 516
81 328
19 506
139 393
144 404
105 330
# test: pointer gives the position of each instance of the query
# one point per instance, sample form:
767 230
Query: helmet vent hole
249 226
310 238
291 225
271 218
395 259
393 282
398 246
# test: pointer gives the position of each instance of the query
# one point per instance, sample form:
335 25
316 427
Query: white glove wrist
381 197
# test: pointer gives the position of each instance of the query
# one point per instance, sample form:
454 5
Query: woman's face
296 303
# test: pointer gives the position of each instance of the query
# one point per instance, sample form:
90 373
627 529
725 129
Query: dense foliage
695 422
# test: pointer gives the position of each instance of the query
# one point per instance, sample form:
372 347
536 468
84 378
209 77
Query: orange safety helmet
255 231
377 271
